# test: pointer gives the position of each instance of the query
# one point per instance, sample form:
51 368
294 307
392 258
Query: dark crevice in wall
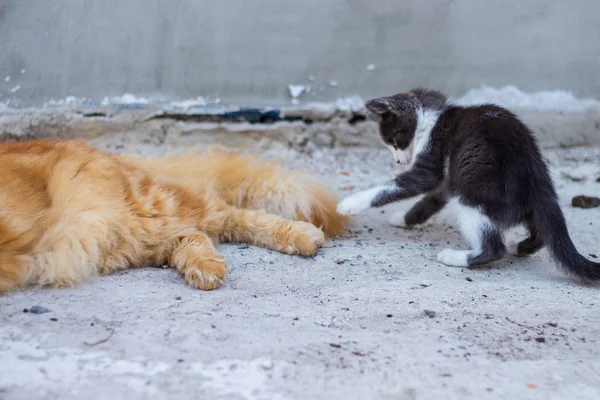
356 118
253 116
247 115
95 114
250 115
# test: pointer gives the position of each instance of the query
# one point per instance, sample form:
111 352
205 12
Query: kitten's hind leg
482 235
198 260
420 212
527 246
272 232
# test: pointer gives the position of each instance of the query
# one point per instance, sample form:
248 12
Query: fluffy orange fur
69 211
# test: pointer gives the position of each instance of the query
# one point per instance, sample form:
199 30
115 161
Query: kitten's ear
377 108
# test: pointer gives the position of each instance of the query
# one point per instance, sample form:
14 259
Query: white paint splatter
350 103
6 78
296 90
15 89
511 97
185 104
126 98
69 100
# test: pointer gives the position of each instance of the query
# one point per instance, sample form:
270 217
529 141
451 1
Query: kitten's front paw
353 205
305 239
454 258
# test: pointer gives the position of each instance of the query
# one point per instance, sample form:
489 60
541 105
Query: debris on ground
112 332
429 313
585 201
37 310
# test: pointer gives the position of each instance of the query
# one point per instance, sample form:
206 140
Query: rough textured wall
247 52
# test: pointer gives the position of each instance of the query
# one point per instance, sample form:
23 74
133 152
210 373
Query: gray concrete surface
247 52
346 324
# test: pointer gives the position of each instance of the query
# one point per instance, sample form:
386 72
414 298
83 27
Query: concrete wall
248 51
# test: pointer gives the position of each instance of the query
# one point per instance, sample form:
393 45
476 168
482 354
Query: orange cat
69 211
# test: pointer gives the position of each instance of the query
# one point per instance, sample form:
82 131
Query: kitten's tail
550 222
247 182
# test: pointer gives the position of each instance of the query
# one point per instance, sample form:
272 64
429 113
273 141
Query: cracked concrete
350 323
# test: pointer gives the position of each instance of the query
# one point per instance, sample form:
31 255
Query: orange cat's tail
246 182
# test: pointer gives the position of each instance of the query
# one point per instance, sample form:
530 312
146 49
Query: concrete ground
372 315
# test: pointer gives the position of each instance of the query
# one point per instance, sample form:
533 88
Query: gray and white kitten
481 160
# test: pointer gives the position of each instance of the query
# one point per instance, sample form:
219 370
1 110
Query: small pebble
37 310
429 313
243 246
425 284
585 202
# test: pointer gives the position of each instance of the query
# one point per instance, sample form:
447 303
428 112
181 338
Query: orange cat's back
25 170
46 189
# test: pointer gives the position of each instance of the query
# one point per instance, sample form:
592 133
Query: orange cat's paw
305 239
208 275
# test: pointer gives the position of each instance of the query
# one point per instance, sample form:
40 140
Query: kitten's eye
395 144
